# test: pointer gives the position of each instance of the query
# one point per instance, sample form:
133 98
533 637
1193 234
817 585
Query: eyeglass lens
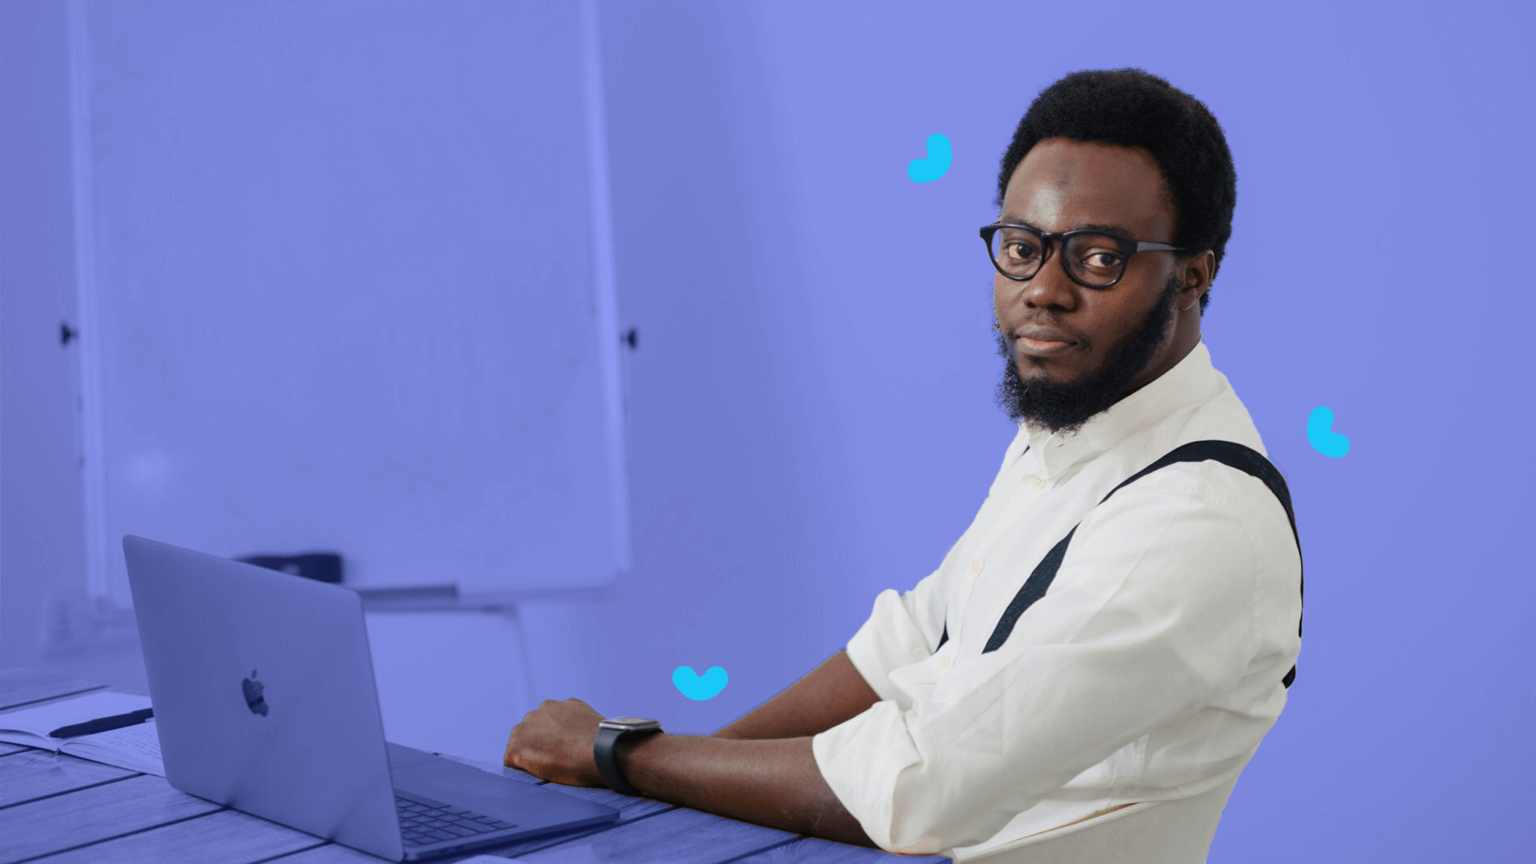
1094 259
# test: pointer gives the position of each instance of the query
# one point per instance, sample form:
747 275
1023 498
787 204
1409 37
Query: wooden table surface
57 809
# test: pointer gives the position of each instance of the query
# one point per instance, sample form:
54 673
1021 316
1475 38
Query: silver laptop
264 698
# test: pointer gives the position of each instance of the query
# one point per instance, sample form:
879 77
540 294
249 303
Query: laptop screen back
263 691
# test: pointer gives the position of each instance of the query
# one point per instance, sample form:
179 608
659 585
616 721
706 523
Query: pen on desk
103 724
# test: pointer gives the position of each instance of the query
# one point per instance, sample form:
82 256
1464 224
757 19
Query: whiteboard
347 287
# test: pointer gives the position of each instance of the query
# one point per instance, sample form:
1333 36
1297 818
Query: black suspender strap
1228 453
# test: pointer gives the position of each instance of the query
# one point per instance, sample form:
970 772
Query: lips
1042 342
1044 334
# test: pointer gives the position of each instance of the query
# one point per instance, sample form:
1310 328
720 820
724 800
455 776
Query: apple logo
253 698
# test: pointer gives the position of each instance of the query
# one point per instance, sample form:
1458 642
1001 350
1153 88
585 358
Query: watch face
631 724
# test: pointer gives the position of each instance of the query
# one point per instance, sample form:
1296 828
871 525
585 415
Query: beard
1066 407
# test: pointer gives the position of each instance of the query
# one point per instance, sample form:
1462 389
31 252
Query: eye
1100 259
1021 248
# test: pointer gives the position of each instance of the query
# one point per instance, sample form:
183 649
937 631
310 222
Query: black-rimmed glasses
1094 259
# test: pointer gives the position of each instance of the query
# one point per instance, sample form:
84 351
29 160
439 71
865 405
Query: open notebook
136 748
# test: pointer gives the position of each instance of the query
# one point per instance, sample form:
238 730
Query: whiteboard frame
100 546
605 287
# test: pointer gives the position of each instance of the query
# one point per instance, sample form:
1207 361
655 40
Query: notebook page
30 726
136 748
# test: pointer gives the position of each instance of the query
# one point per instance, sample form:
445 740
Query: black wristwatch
608 734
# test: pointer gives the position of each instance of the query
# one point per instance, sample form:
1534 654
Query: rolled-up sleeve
901 630
1150 617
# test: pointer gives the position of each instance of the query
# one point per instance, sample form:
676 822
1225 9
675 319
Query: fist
554 742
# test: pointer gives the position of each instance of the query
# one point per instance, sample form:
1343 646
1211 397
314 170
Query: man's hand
554 742
767 775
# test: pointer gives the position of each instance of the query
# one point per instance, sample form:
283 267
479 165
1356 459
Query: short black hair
1133 108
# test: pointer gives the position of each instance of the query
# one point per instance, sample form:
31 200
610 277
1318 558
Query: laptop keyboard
422 825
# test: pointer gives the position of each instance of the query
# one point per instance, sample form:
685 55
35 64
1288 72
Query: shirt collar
1185 384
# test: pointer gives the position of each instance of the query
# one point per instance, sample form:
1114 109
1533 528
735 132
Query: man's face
1095 345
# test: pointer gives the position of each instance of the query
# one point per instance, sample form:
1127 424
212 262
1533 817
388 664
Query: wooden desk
58 809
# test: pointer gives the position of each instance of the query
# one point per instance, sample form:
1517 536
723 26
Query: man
979 708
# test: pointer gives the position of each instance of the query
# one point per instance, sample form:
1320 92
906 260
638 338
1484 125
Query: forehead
1062 184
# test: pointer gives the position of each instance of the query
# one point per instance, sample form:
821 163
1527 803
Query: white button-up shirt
1149 671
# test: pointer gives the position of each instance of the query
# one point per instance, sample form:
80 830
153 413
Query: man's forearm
775 783
832 693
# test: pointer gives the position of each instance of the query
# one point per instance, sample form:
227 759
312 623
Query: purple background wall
810 416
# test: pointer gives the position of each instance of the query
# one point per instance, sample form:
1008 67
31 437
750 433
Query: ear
1195 275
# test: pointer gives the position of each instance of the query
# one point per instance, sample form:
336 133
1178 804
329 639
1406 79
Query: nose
1049 288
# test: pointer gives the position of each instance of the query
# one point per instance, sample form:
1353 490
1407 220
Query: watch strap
607 760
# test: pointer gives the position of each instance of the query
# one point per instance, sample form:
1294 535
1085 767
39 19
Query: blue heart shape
699 687
1320 433
937 163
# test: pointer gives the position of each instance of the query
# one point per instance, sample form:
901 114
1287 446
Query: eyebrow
1089 226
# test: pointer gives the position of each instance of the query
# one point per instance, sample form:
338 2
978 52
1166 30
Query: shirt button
1037 482
975 565
944 662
